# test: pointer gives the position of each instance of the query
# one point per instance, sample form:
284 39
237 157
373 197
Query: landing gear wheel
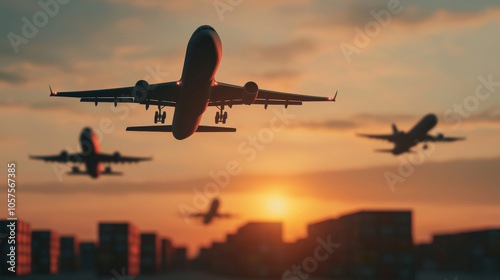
163 117
156 117
217 117
425 147
224 117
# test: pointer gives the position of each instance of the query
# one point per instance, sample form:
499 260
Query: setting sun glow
276 205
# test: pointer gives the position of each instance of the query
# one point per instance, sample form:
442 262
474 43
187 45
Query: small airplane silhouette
91 156
212 213
419 133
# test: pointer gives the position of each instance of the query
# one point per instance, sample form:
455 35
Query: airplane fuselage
212 212
417 134
90 151
203 56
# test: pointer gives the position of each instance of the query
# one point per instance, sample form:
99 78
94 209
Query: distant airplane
212 213
191 95
404 141
91 156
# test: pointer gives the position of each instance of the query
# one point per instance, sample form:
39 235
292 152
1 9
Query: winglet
334 98
52 93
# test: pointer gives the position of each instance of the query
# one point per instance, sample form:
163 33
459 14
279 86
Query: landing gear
220 116
159 117
425 147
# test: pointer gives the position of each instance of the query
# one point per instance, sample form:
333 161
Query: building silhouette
45 250
472 252
150 253
167 253
69 259
88 252
255 250
361 245
119 249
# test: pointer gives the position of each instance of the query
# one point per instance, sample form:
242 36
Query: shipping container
119 249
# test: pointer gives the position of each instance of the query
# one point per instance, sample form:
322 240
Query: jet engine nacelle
141 89
250 92
116 156
64 154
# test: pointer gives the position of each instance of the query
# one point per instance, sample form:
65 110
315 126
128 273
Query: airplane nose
432 118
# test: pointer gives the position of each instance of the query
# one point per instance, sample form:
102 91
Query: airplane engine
141 90
116 156
64 154
250 92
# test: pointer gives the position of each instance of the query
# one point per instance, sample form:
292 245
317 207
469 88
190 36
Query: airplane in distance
213 212
91 156
419 133
193 92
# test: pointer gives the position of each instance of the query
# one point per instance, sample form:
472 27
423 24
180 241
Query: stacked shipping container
119 249
45 250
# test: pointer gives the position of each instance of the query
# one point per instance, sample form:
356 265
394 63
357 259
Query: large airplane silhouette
91 156
196 90
419 133
212 213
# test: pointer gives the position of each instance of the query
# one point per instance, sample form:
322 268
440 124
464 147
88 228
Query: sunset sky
420 57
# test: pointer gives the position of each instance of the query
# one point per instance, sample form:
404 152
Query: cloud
11 78
281 52
452 182
490 116
328 124
359 13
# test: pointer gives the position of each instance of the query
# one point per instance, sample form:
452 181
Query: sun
276 205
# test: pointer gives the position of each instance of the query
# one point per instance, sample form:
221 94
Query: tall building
255 250
88 256
22 247
167 252
150 253
45 250
473 251
376 244
69 260
179 258
119 249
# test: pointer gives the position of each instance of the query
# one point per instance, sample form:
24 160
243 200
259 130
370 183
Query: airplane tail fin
395 129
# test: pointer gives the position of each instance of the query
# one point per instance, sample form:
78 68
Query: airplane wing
117 158
164 94
228 94
441 138
225 216
388 137
63 157
196 214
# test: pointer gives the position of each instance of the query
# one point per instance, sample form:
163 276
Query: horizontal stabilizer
384 151
112 173
168 128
